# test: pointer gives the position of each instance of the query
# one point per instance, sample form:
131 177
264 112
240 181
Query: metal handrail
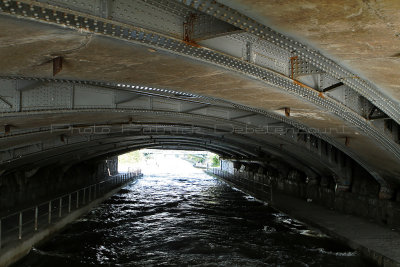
64 204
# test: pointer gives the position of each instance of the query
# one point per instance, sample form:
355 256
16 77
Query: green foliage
212 159
131 157
215 161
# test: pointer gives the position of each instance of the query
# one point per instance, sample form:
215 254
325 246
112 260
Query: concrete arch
257 60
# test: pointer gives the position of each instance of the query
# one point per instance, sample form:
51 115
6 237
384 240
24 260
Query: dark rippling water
188 220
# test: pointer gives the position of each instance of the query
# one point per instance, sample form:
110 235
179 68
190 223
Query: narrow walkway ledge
19 249
374 241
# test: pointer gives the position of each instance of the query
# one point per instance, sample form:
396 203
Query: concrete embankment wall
365 223
361 200
22 189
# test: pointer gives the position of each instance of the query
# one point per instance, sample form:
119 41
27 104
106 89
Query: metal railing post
77 199
60 208
69 203
20 226
36 217
98 188
49 211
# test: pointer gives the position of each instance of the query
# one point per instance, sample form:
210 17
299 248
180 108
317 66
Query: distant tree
215 161
131 157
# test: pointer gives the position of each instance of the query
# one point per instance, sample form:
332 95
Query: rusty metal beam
57 65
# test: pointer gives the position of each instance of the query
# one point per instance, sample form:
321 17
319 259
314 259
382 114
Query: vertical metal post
60 207
90 193
36 217
69 203
94 193
49 211
77 199
84 196
271 193
20 226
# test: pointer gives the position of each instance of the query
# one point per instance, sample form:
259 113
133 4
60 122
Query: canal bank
375 242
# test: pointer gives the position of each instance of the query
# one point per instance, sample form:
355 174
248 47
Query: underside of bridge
303 85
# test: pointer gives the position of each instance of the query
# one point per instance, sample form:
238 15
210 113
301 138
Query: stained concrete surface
363 35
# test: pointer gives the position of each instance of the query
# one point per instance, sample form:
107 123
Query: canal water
177 215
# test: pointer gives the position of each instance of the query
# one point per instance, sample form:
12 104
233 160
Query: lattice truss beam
58 121
213 33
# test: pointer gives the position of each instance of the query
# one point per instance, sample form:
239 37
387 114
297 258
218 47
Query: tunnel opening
166 160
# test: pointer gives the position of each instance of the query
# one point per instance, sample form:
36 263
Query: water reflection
184 217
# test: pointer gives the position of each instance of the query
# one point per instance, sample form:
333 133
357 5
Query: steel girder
84 97
228 146
115 29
